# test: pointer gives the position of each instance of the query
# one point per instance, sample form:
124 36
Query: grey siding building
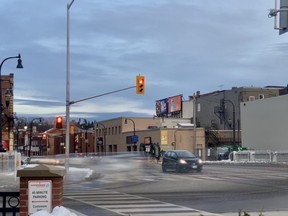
220 111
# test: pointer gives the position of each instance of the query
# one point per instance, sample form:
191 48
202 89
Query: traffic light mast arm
88 98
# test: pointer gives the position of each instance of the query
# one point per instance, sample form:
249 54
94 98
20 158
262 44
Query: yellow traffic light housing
140 84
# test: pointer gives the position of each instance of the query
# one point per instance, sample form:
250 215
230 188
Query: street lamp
19 125
134 138
85 124
104 134
133 124
233 120
31 130
19 65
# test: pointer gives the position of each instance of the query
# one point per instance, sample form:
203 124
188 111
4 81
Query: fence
259 156
10 203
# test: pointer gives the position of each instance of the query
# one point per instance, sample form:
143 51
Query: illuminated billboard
175 104
167 106
161 107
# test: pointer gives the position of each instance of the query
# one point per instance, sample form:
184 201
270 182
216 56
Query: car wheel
199 170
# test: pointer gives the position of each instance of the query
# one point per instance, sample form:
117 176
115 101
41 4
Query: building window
251 98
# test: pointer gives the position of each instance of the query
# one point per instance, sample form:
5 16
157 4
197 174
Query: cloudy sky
180 46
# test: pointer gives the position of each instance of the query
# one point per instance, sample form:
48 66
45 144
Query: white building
265 123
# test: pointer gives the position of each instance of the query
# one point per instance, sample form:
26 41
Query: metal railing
260 156
10 203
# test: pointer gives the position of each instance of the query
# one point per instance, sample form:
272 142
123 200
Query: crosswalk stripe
126 204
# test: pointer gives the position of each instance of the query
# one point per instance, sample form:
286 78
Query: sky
180 46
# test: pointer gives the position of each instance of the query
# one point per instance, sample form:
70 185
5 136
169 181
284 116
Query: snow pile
57 211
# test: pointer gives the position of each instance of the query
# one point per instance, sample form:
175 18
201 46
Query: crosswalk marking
189 177
127 204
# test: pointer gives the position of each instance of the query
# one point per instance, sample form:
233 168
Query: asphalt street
81 203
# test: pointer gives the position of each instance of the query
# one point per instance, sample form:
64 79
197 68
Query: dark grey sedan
181 161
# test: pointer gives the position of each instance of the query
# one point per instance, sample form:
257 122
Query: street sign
134 139
39 196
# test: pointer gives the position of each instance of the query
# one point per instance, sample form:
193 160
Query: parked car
181 161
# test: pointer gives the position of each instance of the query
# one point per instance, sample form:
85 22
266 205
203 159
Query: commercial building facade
219 112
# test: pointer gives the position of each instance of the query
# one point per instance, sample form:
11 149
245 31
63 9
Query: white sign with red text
39 196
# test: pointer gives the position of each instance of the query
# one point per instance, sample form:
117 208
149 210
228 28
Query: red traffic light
140 84
59 122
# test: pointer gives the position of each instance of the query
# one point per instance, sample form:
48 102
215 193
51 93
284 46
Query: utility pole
67 144
194 125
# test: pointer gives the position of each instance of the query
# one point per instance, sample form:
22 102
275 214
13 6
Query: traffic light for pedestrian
59 122
140 85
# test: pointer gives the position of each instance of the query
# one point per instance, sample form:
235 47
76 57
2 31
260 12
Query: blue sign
134 139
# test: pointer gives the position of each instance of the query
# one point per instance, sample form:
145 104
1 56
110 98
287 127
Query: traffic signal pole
68 103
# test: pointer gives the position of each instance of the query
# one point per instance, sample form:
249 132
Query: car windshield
182 154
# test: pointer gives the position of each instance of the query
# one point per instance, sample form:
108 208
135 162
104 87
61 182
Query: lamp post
85 124
31 132
19 65
133 124
233 120
18 123
104 134
135 138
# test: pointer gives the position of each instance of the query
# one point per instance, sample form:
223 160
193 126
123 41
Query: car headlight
200 161
181 161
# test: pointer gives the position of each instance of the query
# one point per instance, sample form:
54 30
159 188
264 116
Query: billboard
161 107
175 104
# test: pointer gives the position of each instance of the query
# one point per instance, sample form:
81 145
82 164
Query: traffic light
140 85
59 122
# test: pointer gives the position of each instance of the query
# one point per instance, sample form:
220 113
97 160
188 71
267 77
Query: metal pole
194 125
67 144
234 125
233 121
30 141
104 135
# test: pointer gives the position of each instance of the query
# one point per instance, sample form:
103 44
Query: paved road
217 190
127 204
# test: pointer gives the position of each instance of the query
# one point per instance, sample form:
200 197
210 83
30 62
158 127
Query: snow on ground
57 211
